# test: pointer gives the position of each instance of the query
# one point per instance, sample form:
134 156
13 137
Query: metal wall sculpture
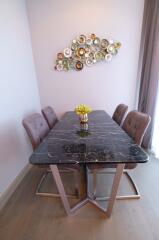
86 51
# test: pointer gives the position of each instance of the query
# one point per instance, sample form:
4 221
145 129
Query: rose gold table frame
69 210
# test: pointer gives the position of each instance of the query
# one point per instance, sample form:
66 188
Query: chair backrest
135 125
119 113
49 116
36 128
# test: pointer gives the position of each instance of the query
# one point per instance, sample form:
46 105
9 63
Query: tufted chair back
49 116
36 128
135 125
119 113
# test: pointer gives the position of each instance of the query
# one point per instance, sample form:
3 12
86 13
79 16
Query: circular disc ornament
115 52
59 67
108 57
74 47
111 41
60 56
117 45
59 61
86 54
71 63
91 55
111 49
98 56
65 62
104 43
89 41
81 51
67 52
89 62
87 49
66 67
79 65
96 41
93 36
74 41
82 39
94 48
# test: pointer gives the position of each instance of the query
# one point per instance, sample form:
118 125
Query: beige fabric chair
119 113
37 129
49 116
135 125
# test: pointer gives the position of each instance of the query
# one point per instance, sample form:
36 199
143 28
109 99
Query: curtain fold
148 74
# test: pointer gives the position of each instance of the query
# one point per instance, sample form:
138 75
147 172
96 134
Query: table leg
116 182
61 190
60 187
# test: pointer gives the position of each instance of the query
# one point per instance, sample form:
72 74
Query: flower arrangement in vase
83 110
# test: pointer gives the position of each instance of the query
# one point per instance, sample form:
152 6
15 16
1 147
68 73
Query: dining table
99 141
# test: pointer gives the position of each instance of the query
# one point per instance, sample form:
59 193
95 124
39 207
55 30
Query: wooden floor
29 217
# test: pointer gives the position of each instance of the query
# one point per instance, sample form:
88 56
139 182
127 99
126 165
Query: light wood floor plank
29 217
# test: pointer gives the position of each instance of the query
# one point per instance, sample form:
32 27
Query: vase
83 118
84 127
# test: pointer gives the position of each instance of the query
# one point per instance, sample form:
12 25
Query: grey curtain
148 74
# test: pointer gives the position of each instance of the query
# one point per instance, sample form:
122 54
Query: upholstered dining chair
135 125
119 113
49 116
37 129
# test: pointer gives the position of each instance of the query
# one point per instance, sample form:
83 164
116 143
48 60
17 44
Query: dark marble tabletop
104 141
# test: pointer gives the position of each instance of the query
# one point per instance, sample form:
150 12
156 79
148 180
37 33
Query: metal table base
87 199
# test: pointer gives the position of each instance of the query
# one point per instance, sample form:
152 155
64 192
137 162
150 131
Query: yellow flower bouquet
82 110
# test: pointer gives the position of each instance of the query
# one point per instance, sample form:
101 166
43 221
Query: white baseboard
12 187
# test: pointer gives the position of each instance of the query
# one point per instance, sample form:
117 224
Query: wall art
86 51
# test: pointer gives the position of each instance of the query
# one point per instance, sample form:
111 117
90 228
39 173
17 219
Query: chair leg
119 197
94 184
77 183
47 194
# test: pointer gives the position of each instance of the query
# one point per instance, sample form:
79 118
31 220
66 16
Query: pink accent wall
54 23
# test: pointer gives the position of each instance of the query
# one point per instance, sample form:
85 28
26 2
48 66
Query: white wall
54 23
18 89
